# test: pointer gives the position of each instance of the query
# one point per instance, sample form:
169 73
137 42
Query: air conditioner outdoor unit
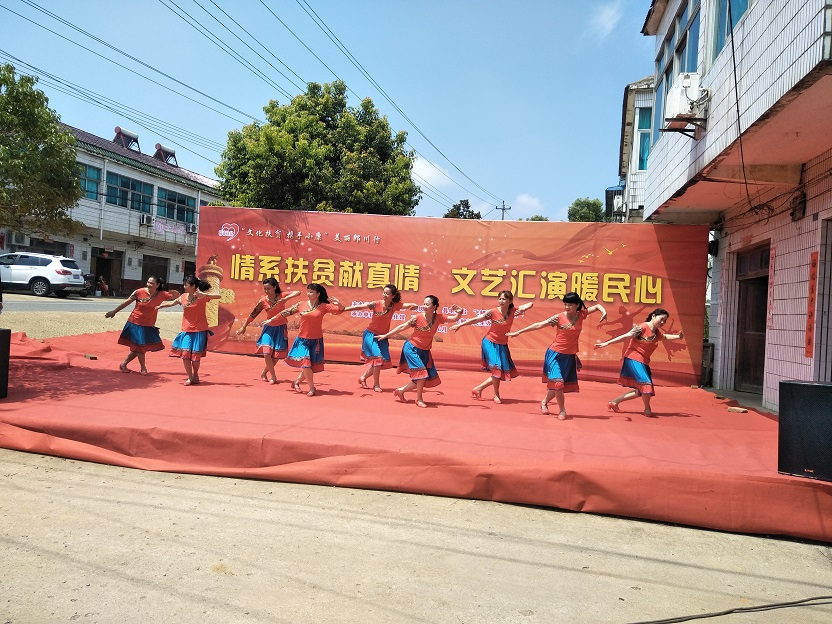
191 227
20 239
682 96
145 219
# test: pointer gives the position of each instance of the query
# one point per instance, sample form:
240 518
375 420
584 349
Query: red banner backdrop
628 268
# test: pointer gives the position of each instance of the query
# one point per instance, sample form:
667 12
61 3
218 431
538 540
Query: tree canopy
537 218
462 210
39 181
317 153
586 209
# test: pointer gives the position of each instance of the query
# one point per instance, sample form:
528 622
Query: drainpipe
101 199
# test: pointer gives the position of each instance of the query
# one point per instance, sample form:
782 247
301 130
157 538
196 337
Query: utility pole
504 208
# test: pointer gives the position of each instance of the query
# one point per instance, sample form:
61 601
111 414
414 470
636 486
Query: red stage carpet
695 464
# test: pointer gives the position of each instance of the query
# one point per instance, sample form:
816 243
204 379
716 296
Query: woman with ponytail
635 369
190 344
273 342
376 353
560 365
140 333
496 358
307 352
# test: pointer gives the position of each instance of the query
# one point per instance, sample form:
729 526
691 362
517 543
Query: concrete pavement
95 543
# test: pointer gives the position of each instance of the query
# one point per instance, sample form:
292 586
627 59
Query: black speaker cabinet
5 344
805 437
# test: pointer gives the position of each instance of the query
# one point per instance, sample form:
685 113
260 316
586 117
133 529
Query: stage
695 463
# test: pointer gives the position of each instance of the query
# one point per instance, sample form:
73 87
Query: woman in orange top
273 342
140 332
376 353
416 358
560 365
495 354
635 369
307 351
190 344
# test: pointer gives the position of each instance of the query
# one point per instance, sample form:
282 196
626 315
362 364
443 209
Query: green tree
586 210
462 210
537 218
316 153
39 181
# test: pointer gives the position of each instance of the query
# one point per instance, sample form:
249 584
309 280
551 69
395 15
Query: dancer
495 354
140 332
560 366
416 357
635 369
307 351
273 342
376 353
190 344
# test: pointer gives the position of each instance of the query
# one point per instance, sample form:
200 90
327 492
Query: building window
722 22
128 193
90 181
645 116
173 205
679 54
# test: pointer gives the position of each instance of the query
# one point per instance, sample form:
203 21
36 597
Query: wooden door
751 334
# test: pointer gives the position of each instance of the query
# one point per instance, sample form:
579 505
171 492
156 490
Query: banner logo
228 230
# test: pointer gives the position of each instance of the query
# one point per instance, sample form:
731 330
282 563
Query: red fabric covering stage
695 464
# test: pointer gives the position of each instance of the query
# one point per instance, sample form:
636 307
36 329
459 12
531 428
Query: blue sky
516 101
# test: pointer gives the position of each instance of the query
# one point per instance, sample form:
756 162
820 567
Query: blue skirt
419 365
140 338
496 358
375 352
190 345
273 341
560 371
636 375
307 353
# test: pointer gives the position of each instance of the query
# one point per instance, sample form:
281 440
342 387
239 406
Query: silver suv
40 274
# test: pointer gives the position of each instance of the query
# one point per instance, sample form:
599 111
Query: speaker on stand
804 442
5 347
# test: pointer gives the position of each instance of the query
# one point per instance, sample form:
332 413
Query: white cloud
431 173
526 206
605 18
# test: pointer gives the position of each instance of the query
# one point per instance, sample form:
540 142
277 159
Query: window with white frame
645 116
728 13
90 180
679 53
129 193
176 206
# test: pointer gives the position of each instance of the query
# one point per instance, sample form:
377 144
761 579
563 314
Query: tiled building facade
140 213
755 162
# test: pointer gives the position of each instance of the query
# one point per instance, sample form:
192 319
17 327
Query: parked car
40 274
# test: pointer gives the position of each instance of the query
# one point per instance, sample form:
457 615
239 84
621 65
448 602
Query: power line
123 53
332 37
217 41
153 123
299 87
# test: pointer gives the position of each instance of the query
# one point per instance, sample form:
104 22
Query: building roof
654 17
116 151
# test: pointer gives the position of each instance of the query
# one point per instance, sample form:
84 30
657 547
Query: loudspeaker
5 346
805 436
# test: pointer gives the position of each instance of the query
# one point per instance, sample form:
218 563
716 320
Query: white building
747 87
140 213
636 140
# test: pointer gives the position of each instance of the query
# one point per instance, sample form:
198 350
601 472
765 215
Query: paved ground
97 543
93 543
